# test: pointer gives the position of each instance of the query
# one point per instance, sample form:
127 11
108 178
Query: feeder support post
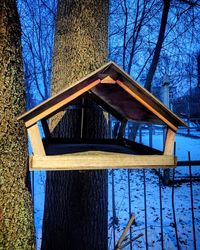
36 140
122 129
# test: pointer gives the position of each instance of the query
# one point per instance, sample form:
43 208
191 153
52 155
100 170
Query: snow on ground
182 207
182 201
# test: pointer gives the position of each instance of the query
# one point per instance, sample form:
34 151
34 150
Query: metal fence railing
145 227
172 222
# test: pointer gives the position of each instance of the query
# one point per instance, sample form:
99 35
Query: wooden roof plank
92 76
60 104
147 94
146 104
110 71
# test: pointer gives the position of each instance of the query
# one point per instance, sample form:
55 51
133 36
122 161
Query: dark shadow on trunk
76 201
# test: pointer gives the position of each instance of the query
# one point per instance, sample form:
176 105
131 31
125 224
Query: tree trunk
159 44
16 213
75 215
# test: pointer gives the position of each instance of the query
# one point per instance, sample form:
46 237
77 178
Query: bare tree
158 47
147 42
38 19
133 29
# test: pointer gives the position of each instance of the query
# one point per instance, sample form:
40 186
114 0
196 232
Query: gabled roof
116 92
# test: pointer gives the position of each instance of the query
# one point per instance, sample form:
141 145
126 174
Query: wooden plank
169 142
94 75
45 127
98 162
36 141
147 105
108 80
60 104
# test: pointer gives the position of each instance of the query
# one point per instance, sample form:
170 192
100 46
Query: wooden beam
45 127
146 104
108 80
36 140
100 161
60 104
169 142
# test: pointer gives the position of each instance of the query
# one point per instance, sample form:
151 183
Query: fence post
150 136
113 206
129 199
145 208
192 202
161 214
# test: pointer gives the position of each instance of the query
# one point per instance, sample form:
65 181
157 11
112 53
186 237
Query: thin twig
133 239
130 222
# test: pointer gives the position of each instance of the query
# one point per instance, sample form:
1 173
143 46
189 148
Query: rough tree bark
75 214
16 214
159 43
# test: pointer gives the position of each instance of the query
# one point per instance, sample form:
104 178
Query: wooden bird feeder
117 93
